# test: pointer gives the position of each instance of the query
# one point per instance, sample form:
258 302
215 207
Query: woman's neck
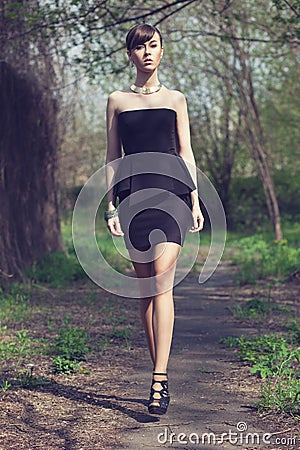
146 79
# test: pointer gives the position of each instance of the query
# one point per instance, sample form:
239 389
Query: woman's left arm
186 152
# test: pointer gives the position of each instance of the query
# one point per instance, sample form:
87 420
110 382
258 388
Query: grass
71 343
66 342
69 347
266 354
111 254
18 346
61 268
15 304
280 395
25 379
274 359
258 258
119 329
257 309
122 334
64 365
56 269
17 349
293 328
16 310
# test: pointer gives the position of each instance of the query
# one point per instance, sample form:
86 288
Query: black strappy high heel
164 398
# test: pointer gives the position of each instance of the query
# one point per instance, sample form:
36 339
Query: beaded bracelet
110 214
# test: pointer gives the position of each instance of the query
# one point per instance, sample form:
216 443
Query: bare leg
163 304
163 310
144 270
146 310
157 312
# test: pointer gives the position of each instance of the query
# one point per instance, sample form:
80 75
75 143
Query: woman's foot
159 395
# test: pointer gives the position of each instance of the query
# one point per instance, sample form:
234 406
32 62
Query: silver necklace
144 89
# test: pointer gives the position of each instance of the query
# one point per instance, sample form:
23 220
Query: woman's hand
114 226
197 218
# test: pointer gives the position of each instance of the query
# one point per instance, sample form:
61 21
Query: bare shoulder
177 97
117 94
117 99
114 97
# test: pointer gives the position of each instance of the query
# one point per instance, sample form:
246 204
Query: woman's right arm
113 155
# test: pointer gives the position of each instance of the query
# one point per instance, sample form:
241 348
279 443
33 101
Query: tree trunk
255 137
29 219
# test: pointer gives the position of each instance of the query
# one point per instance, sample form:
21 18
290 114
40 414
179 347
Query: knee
163 281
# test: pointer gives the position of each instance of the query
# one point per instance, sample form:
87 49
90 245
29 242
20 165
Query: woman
148 117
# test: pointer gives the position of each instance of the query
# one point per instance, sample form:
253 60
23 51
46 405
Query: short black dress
152 182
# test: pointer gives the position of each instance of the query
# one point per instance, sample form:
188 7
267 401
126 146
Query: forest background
63 339
236 62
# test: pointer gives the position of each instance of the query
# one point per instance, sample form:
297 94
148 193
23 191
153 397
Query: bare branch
292 8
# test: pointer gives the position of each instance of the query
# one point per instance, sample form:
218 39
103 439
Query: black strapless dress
152 182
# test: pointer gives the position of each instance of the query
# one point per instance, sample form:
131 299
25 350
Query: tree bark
29 219
29 216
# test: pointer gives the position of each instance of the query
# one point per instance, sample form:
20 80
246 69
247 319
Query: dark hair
140 34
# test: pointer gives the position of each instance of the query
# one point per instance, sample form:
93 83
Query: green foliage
266 354
111 255
291 231
56 269
24 378
258 258
27 379
293 327
280 395
286 15
122 333
19 346
5 385
256 309
114 319
15 305
71 343
247 208
104 241
70 347
253 309
277 362
63 365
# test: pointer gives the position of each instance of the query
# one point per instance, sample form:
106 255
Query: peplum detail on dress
152 170
150 159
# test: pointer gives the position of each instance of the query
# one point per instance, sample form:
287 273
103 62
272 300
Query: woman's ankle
160 375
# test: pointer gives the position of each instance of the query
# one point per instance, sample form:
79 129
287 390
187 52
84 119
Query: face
146 57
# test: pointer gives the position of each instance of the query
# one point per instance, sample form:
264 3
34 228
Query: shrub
56 269
258 258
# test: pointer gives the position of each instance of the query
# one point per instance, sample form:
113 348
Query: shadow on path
114 402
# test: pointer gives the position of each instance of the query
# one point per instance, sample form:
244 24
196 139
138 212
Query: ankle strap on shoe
159 373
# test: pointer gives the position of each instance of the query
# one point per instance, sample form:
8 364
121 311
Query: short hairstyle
141 34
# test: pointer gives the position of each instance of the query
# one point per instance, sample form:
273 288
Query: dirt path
210 391
104 405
